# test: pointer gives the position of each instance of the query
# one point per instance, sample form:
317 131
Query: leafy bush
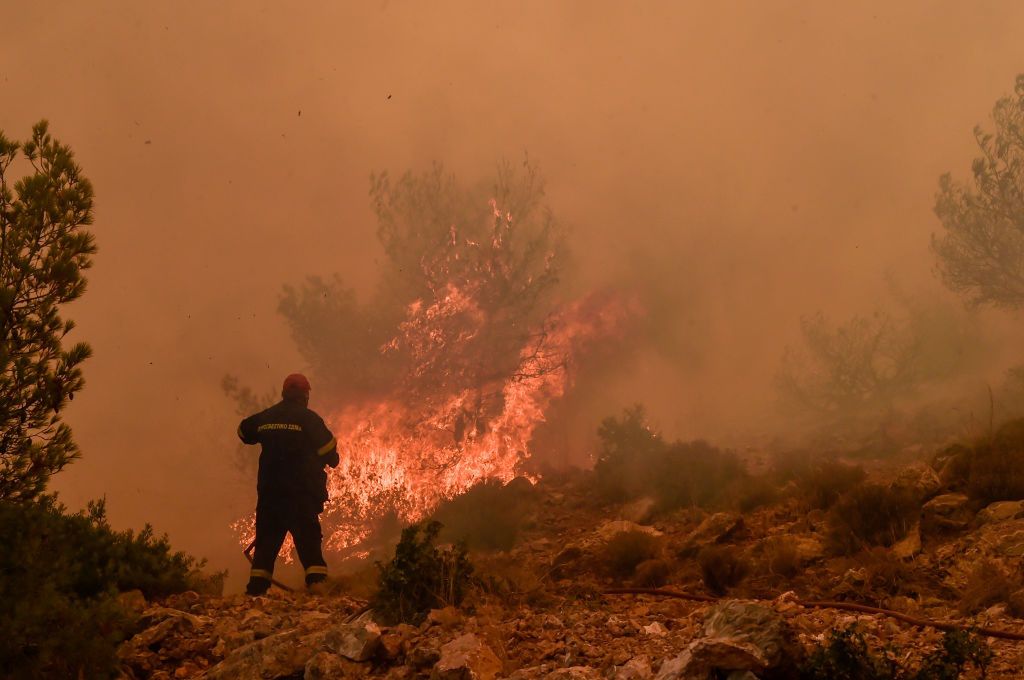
846 656
722 568
635 461
870 515
59 615
489 515
421 576
627 549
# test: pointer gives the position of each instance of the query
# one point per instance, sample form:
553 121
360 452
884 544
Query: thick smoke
740 164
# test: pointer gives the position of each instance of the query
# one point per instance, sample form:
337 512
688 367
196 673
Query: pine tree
44 249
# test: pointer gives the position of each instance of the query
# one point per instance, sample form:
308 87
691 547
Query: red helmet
296 381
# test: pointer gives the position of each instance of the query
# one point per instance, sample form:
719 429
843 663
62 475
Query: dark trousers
276 517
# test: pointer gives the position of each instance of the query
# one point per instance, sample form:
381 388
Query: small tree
981 253
44 249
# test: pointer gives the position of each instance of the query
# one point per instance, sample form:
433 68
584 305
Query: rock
608 530
324 666
809 547
654 629
447 618
574 673
423 656
390 648
281 654
1012 545
944 514
910 545
716 528
637 668
919 480
738 636
466 658
357 641
1000 511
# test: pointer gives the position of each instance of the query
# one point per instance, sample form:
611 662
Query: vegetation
987 585
846 656
981 252
990 470
44 250
628 549
59 612
781 557
722 567
489 516
870 515
825 483
421 576
635 461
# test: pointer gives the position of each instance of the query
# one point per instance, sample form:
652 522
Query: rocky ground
540 610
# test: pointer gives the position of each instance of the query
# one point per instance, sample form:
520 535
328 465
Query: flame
449 425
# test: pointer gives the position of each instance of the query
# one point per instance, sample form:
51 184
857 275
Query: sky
749 162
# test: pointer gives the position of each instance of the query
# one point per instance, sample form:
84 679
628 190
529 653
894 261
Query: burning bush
421 576
489 515
636 461
722 567
870 515
61 576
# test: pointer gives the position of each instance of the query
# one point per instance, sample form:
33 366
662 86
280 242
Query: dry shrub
755 492
489 516
626 550
822 485
987 585
1015 604
781 557
991 469
870 515
652 573
511 582
722 567
886 573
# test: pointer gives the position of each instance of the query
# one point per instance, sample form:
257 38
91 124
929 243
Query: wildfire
451 423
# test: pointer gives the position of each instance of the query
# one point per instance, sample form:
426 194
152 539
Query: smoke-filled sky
747 162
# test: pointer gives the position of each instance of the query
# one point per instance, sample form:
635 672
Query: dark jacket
296 445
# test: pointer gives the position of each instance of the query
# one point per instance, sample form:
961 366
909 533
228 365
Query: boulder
466 658
1012 545
919 480
737 636
357 641
328 666
1000 511
575 673
944 514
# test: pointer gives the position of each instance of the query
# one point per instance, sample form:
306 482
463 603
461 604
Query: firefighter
292 482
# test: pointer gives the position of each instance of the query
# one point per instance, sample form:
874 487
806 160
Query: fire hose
845 606
248 555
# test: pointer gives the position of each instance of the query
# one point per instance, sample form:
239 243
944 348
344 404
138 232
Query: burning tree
440 380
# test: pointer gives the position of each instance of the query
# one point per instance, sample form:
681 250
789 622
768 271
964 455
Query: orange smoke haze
740 163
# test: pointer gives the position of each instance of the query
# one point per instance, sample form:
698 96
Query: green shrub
421 576
722 568
59 615
635 461
489 516
627 549
870 515
846 656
